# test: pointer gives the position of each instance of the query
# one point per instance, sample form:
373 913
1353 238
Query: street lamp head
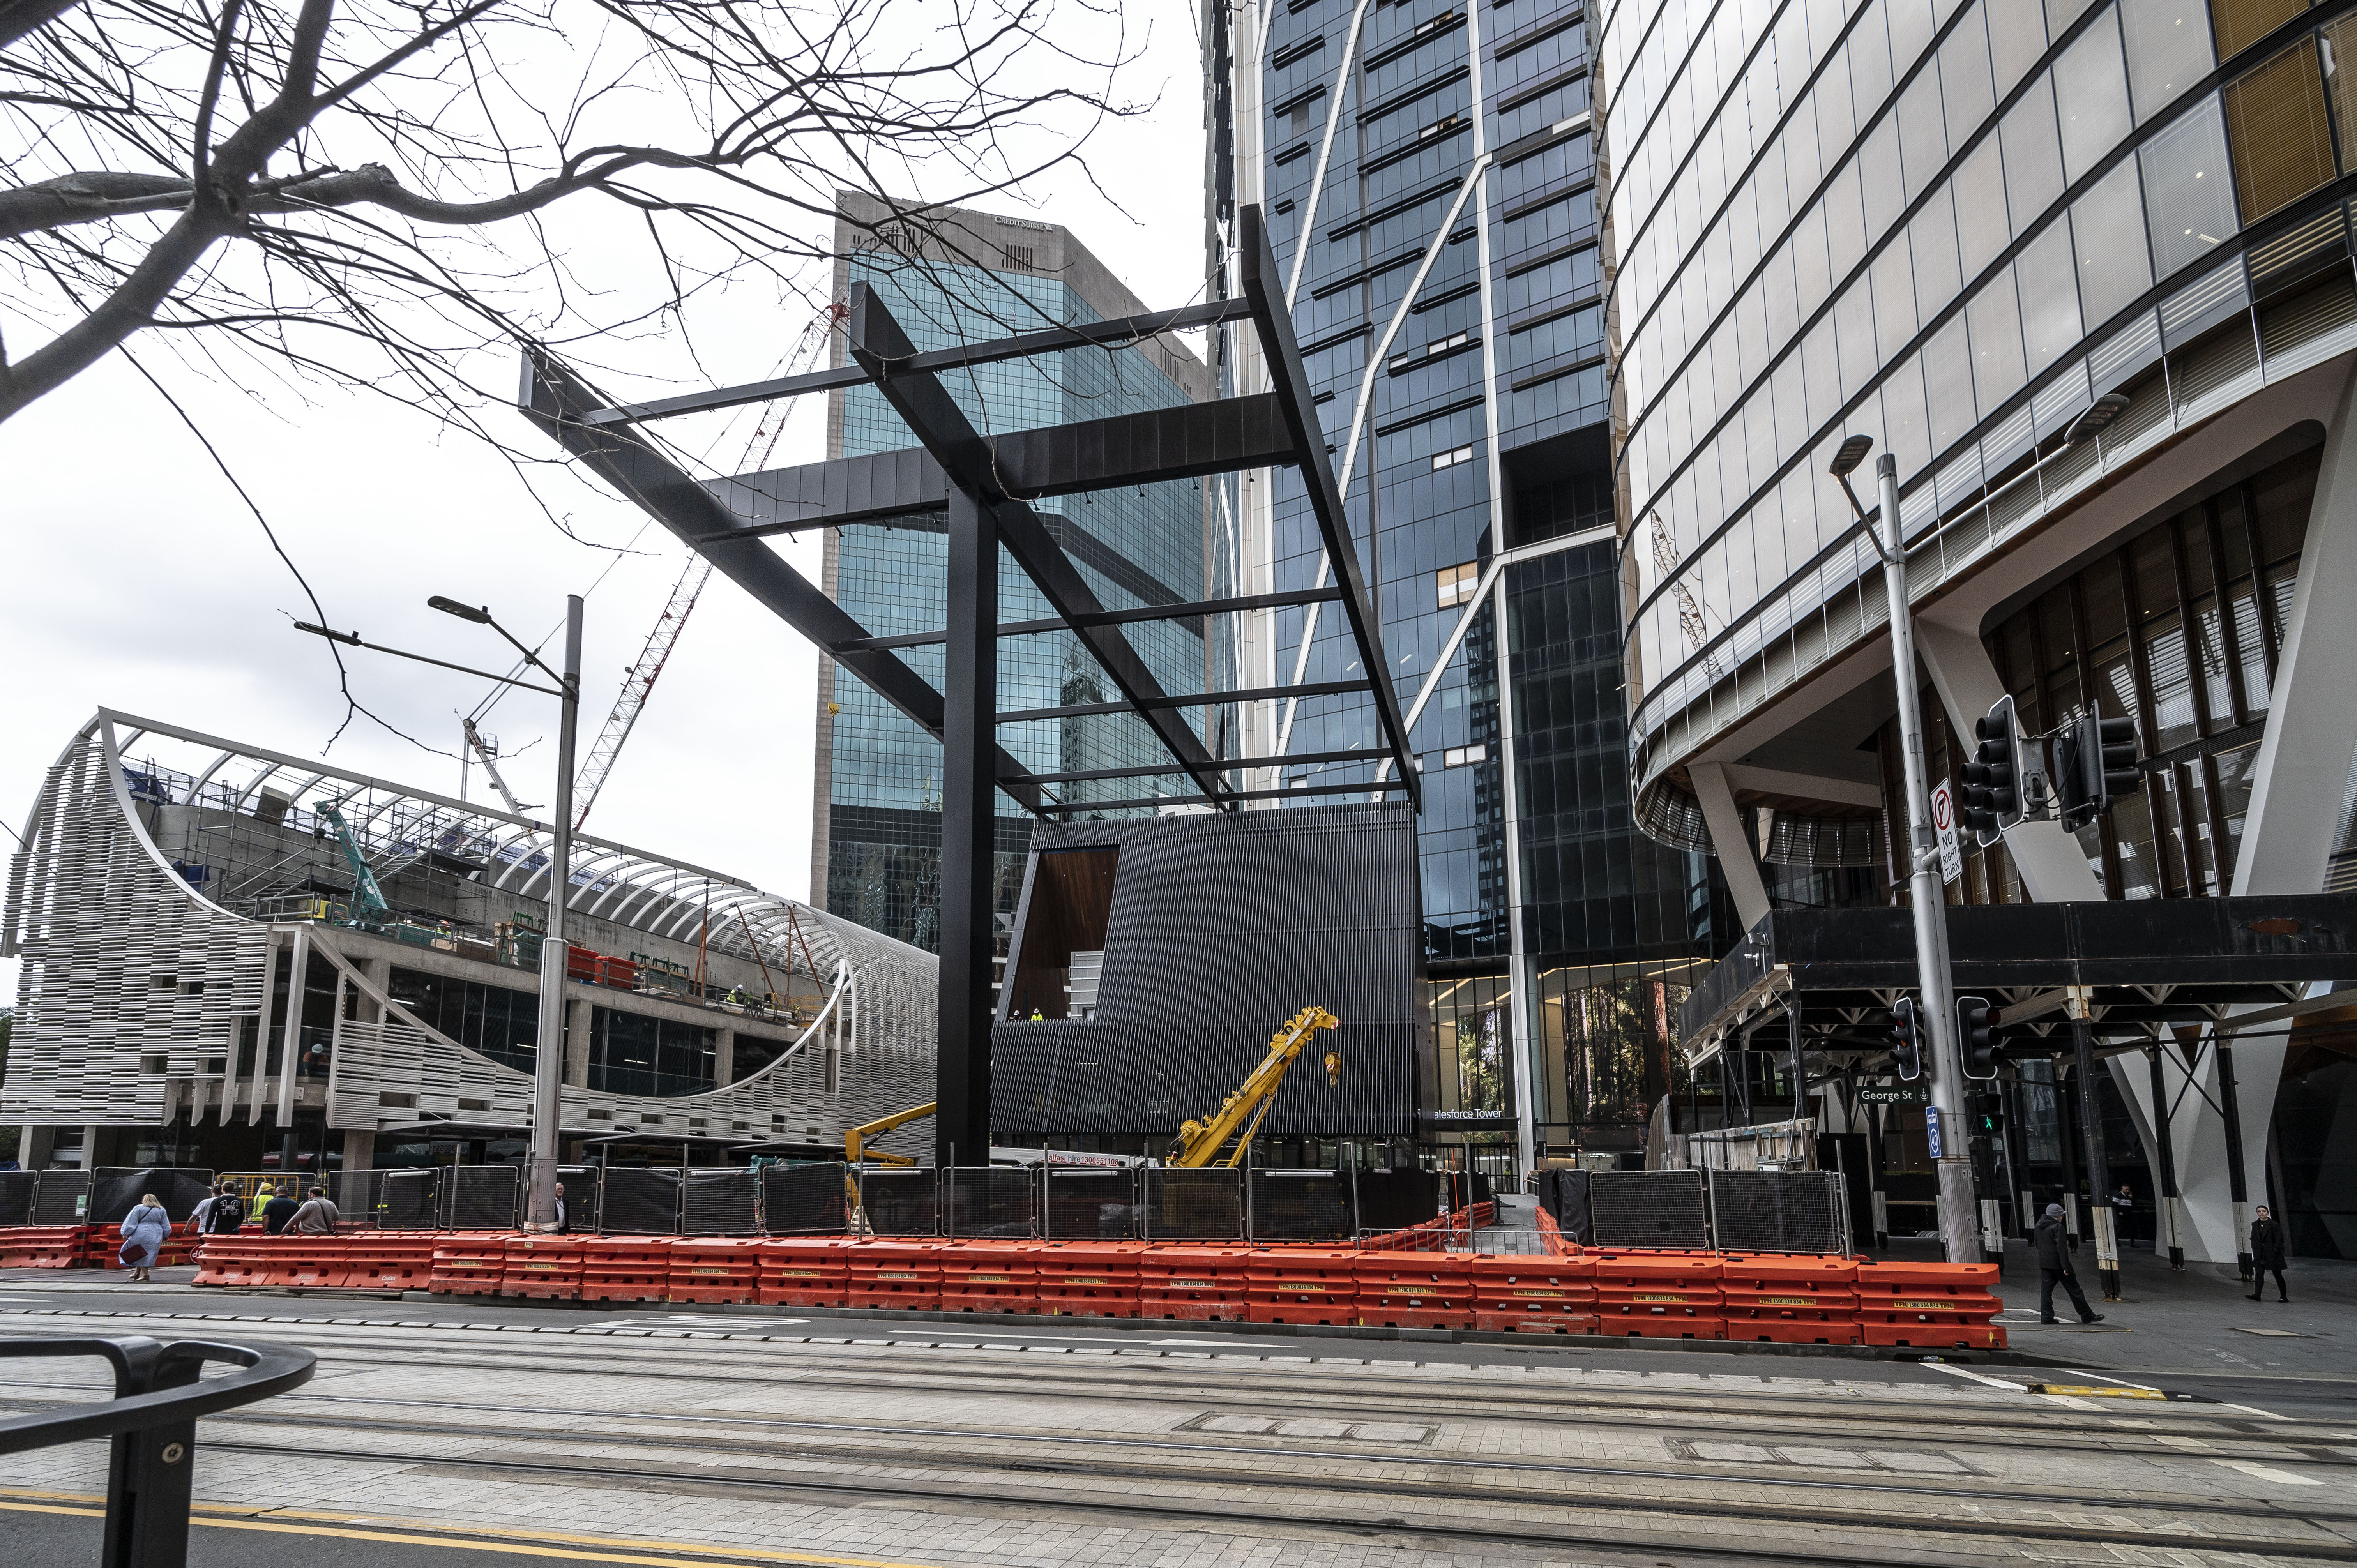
2097 418
463 612
1852 453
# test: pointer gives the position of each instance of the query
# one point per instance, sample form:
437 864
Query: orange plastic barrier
238 1260
469 1262
1659 1296
715 1268
307 1262
1533 1295
1193 1283
390 1259
1301 1285
102 1247
891 1275
625 1268
1929 1306
803 1271
988 1277
1415 1290
1087 1279
542 1268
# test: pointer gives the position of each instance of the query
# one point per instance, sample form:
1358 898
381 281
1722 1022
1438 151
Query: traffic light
1993 777
2098 767
1906 1038
1977 1036
1984 1108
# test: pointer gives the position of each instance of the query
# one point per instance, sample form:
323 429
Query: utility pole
2090 1132
548 1058
1944 1118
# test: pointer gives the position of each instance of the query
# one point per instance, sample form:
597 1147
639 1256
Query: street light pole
548 1056
1959 1222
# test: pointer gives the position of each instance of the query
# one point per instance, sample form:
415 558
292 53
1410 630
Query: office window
2167 48
1457 583
1931 247
2091 89
2242 23
1995 317
1979 188
2341 83
1464 755
2017 33
1967 91
2110 274
2045 277
2275 126
2188 196
2033 155
1449 459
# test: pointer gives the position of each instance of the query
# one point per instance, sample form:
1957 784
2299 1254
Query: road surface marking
2268 1472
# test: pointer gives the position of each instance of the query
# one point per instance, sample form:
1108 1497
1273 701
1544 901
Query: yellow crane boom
1199 1142
855 1139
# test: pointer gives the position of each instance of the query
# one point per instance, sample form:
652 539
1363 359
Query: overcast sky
135 577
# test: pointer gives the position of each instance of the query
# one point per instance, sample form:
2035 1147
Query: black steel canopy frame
983 485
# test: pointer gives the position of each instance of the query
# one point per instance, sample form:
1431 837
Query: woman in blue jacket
144 1229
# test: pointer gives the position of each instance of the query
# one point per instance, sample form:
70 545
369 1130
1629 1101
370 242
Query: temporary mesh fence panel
1301 1205
1194 1206
1778 1211
580 1184
409 1200
1649 1208
355 1193
802 1200
117 1191
721 1203
1091 1205
1395 1199
16 1196
902 1203
1565 1193
639 1202
480 1198
995 1201
63 1198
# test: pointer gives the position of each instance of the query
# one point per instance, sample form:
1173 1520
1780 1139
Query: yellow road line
2076 1389
484 1539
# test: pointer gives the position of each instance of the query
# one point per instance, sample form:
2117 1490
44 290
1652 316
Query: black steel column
2164 1200
969 736
2238 1187
2099 1165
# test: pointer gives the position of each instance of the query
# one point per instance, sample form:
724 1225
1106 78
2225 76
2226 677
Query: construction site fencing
635 1201
1085 1205
1662 1209
116 1191
1779 1211
901 1202
993 1202
1299 1206
1192 1205
63 1197
720 1202
804 1201
482 1198
17 1194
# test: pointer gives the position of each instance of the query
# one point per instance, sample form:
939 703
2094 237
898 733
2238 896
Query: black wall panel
1224 926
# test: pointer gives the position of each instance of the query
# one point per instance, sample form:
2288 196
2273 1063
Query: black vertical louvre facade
1215 929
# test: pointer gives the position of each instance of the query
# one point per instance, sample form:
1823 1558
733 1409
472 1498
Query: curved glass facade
1949 226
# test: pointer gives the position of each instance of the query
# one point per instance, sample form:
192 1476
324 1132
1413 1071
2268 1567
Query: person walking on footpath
144 1229
227 1215
2055 1248
277 1212
318 1216
2267 1256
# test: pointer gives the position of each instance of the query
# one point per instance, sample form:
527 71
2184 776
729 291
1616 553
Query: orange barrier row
42 1246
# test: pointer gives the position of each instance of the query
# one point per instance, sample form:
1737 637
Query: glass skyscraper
954 276
1430 174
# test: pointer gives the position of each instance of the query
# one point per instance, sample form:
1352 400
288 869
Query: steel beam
961 1119
1191 610
1188 700
1119 332
1263 287
556 400
881 348
1070 807
1227 763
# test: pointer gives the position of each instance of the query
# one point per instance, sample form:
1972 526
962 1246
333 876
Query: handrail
152 1420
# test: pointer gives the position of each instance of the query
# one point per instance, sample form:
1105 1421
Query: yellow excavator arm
855 1139
1200 1142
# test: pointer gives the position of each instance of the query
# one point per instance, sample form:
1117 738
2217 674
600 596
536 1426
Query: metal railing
152 1422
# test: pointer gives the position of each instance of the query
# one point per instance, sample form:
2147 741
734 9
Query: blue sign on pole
1932 1128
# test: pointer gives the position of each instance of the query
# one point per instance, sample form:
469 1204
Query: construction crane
1239 1117
364 887
483 753
855 1139
639 681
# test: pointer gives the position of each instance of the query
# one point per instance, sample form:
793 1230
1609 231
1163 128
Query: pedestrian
277 1212
2055 1248
262 1196
318 1216
144 1229
564 1222
227 1215
2267 1256
204 1208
